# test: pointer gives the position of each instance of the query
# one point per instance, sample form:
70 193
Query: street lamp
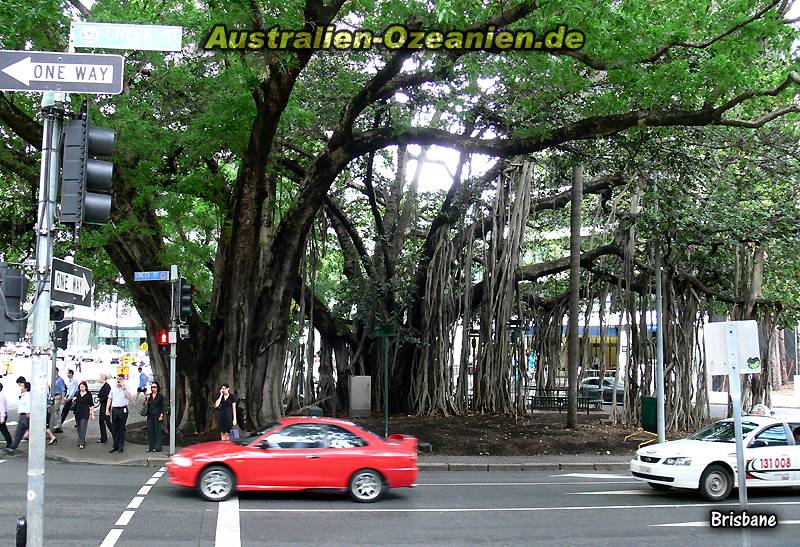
474 337
385 331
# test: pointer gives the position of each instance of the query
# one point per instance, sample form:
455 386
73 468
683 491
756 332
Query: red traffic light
163 337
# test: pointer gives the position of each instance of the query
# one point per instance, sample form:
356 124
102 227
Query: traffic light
163 341
86 182
184 300
13 287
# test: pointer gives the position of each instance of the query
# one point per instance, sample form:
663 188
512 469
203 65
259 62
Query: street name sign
124 36
151 276
71 284
64 72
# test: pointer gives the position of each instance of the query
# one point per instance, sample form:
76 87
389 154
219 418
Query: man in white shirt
72 389
3 418
117 406
24 411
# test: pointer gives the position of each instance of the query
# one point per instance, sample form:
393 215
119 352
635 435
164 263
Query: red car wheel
366 486
216 483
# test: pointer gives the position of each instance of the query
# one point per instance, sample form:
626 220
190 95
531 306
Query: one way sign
71 284
67 72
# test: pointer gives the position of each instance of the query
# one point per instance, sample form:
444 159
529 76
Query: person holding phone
117 406
226 403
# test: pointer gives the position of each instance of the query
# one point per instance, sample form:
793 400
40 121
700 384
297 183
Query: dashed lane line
125 518
615 493
592 475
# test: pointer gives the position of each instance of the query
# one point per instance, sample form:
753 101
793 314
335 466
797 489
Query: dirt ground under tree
543 433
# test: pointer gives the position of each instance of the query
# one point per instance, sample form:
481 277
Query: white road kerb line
228 533
631 481
706 524
515 509
124 518
111 538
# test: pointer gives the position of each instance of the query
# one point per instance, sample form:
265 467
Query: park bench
549 401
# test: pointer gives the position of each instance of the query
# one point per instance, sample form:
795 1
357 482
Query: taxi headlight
678 461
180 461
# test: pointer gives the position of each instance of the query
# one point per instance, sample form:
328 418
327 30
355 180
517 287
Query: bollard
22 531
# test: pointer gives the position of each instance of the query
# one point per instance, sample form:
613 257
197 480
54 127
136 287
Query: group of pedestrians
112 411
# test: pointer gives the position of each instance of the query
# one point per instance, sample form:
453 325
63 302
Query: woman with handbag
82 403
226 403
154 410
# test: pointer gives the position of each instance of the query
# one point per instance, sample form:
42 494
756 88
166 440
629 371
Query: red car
299 453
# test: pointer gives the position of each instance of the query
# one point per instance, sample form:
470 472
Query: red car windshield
247 440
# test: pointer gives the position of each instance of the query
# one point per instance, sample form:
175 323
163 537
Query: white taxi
706 461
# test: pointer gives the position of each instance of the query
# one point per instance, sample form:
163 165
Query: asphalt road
115 505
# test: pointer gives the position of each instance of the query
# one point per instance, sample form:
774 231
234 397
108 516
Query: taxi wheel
716 483
216 483
658 486
366 486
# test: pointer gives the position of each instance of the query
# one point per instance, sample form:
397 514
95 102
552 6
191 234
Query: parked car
706 460
108 354
590 387
299 453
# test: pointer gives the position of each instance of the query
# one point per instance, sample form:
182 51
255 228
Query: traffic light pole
48 186
173 339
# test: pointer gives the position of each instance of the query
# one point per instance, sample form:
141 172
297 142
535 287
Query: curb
144 462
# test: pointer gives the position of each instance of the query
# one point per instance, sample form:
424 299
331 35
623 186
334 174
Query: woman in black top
155 415
82 405
226 403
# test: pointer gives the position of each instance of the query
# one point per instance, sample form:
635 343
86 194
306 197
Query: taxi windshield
722 432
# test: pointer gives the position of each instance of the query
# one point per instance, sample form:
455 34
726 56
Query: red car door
292 457
345 454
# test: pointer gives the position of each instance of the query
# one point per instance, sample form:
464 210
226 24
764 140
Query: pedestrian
155 415
226 403
58 399
3 417
49 412
102 414
72 389
117 406
23 411
83 407
142 385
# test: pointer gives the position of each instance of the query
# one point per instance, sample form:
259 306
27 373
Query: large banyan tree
288 184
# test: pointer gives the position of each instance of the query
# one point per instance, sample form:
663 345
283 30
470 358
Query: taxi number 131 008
776 463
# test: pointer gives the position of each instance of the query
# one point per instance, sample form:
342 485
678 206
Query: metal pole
573 350
659 350
173 339
386 385
48 186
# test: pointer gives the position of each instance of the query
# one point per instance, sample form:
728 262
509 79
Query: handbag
234 433
143 411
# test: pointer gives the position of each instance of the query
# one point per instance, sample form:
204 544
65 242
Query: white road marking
124 518
517 509
228 533
2 461
143 491
705 523
152 481
612 493
163 469
593 476
11 423
111 538
631 481
158 474
135 502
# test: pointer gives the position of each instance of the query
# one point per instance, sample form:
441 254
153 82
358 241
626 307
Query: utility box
360 396
650 414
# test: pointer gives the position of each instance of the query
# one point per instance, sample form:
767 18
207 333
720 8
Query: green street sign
124 36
